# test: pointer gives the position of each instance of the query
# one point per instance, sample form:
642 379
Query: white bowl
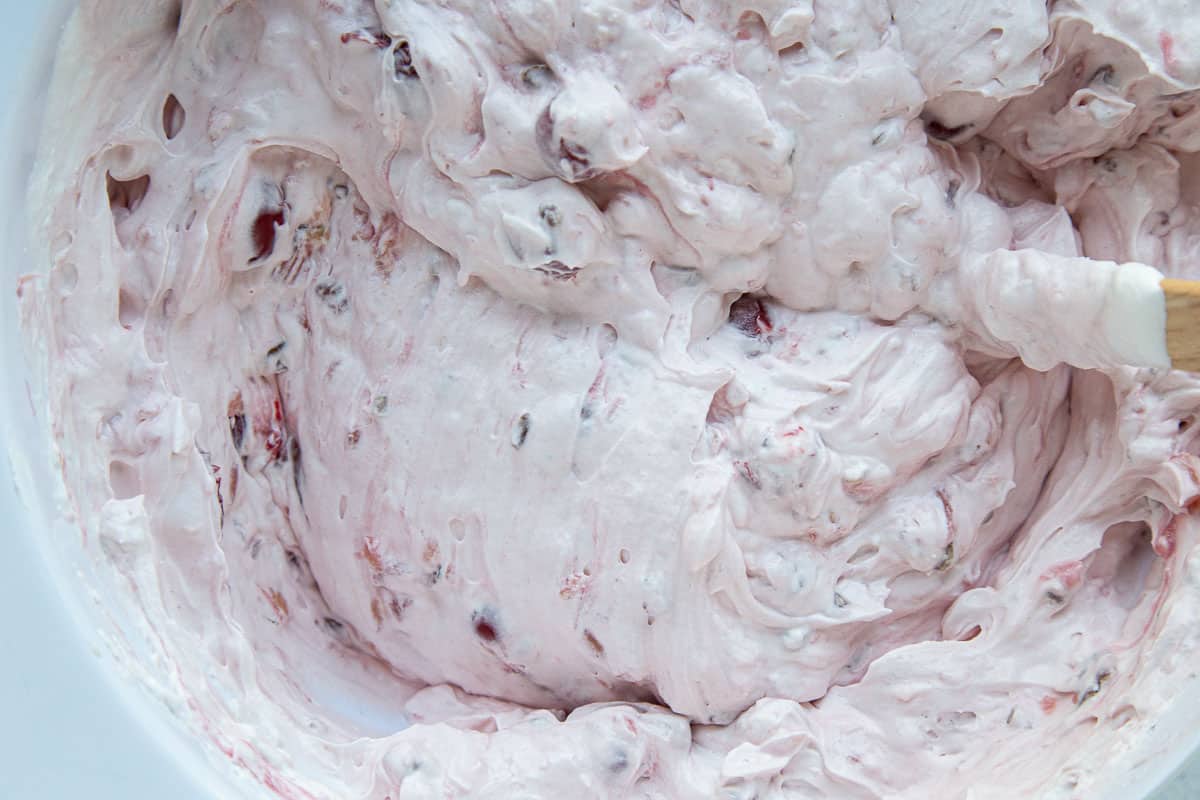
76 725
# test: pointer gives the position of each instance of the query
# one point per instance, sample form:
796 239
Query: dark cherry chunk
297 474
237 421
402 61
749 315
520 431
485 627
263 232
237 428
937 130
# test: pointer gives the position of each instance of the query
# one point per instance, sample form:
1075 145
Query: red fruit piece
485 627
263 232
749 315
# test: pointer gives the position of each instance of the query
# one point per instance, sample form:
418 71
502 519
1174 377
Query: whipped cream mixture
623 398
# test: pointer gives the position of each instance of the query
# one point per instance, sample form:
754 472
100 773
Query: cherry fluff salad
736 399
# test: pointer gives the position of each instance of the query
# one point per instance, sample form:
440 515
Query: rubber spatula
1183 323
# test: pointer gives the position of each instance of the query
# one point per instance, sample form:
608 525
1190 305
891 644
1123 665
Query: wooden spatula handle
1183 323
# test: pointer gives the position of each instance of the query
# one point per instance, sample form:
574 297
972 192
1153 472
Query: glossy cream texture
631 399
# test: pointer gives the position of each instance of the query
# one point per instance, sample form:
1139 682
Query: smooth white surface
1136 316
